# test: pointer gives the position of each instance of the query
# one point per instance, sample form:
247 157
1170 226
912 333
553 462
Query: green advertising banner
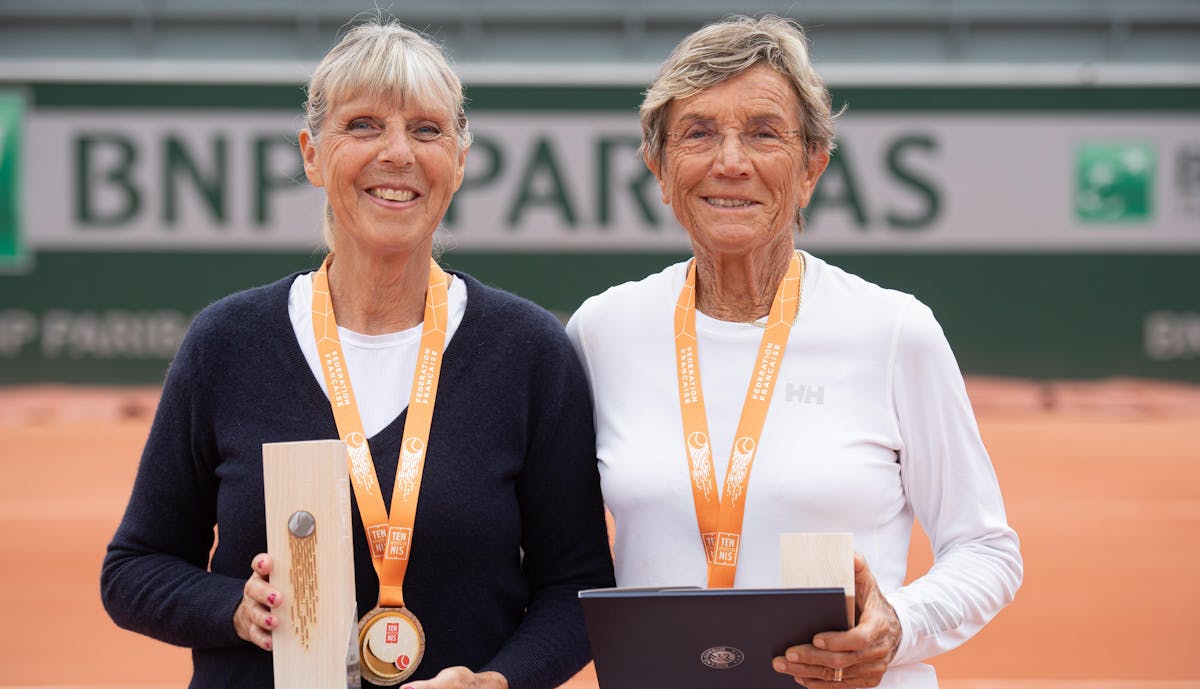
11 116
1054 231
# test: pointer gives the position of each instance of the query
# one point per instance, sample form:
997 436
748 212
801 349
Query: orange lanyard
720 517
390 537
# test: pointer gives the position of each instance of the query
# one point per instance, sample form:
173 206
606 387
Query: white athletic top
869 424
381 366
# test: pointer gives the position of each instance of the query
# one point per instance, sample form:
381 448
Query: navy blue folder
703 638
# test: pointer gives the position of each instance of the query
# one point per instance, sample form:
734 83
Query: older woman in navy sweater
510 522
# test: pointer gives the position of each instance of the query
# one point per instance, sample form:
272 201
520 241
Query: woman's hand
861 654
255 616
459 677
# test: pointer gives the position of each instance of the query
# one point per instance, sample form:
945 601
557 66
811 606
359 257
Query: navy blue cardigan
509 525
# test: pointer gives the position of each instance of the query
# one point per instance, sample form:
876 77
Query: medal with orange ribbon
391 639
720 515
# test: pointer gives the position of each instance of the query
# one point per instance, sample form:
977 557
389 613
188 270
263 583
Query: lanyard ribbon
720 517
390 537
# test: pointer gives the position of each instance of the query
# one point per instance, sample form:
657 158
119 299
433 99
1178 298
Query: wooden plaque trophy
819 560
308 535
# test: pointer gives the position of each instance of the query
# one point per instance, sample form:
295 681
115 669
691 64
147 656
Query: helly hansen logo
805 394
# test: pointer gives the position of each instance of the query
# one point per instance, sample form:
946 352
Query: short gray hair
725 49
383 58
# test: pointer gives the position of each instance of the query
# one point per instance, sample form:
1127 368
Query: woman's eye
765 135
697 134
427 132
360 124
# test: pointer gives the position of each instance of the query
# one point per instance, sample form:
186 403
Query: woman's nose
731 159
396 148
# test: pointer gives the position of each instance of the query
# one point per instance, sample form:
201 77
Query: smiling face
389 171
734 169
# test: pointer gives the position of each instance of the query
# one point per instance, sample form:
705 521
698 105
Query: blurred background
1029 169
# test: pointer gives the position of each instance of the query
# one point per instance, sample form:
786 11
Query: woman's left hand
459 677
861 654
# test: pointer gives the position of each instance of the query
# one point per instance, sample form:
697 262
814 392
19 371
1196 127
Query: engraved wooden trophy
308 536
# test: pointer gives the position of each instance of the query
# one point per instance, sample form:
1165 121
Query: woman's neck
375 295
741 287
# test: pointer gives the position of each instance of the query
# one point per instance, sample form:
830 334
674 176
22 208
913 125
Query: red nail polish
270 621
271 599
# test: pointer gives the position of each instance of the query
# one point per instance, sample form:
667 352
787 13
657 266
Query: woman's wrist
492 680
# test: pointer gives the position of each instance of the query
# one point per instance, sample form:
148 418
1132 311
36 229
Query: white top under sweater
869 425
381 366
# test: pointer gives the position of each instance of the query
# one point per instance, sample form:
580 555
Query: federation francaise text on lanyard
391 639
720 515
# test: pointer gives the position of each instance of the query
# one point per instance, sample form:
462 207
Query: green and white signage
1116 182
1055 231
11 247
535 181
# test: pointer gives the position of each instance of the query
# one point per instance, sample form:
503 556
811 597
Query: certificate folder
703 638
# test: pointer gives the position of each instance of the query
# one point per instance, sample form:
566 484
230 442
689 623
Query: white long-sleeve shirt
869 426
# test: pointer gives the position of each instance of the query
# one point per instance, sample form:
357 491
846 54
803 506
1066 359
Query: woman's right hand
255 616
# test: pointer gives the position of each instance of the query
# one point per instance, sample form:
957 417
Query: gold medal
391 643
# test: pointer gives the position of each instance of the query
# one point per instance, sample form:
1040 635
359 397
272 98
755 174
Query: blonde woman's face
734 169
389 172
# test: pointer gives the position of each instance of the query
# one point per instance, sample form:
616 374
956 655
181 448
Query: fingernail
270 621
779 665
271 599
819 643
269 645
258 563
793 657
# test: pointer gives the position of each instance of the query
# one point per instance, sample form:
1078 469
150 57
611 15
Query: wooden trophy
308 535
819 560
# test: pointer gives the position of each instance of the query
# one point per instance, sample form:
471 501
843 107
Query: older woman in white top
757 390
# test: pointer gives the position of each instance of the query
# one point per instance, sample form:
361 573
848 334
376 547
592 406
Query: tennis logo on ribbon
399 542
701 464
411 454
726 553
739 469
378 535
361 468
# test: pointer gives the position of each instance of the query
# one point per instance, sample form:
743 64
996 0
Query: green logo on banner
1114 182
12 252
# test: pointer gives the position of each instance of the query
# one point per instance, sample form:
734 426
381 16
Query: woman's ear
308 149
817 162
655 170
460 171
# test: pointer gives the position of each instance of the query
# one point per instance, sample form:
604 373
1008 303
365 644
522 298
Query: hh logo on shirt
804 394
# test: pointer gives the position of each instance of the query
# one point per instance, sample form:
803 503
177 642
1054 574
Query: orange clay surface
1101 480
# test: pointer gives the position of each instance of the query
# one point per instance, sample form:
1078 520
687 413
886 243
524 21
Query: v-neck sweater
509 523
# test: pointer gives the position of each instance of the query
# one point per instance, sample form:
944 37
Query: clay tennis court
1102 482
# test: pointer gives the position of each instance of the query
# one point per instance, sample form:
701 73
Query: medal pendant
390 645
